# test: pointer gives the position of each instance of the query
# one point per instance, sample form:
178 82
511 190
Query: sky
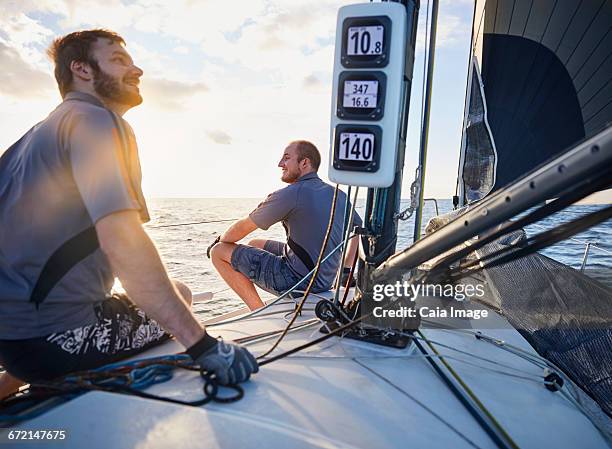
227 85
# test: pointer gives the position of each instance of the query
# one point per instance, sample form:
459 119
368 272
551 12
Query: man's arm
238 230
136 262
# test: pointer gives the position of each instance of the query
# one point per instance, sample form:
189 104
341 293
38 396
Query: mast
373 66
425 123
383 204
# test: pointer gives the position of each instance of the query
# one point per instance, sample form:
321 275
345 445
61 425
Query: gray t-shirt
303 208
67 172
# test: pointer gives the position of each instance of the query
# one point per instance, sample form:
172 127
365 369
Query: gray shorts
267 268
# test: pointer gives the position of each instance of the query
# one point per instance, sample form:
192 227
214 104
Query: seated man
303 207
71 214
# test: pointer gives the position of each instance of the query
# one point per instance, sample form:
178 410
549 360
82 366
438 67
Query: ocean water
183 248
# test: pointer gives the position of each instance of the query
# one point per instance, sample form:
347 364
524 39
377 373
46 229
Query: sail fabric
565 315
546 69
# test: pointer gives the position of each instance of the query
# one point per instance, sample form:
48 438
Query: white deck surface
341 393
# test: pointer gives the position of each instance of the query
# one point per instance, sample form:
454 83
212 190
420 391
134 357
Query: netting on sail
478 170
565 315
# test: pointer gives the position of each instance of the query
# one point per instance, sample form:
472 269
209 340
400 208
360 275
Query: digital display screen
356 147
360 94
365 40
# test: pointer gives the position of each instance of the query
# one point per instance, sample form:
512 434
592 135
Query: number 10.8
361 41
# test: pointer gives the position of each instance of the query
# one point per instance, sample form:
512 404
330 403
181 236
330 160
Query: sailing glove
211 246
231 363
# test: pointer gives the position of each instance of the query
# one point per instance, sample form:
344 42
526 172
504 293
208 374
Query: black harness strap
72 251
301 253
299 250
62 260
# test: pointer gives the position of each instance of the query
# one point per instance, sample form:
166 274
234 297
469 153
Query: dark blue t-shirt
304 208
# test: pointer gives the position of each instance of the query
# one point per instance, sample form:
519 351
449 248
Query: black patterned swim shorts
121 330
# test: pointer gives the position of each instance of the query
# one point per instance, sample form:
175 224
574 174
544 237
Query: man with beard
71 214
303 207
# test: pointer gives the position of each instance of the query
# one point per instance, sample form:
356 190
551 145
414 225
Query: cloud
26 36
181 49
23 30
18 78
170 94
451 30
219 137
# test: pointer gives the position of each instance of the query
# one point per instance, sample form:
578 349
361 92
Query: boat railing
588 244
435 204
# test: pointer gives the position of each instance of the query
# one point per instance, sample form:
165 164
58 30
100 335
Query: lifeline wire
191 223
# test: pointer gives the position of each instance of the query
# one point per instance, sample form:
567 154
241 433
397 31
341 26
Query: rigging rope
191 223
421 404
128 378
500 436
347 232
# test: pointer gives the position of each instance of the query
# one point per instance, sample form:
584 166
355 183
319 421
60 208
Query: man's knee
184 291
222 252
215 252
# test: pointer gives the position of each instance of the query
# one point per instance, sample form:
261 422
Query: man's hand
209 249
231 363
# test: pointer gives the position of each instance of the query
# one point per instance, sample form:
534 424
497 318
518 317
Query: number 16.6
357 102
